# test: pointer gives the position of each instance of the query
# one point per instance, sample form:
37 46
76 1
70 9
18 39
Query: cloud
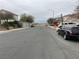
41 9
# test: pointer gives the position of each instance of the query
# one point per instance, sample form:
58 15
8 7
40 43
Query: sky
40 9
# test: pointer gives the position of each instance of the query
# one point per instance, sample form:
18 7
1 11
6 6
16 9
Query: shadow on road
74 40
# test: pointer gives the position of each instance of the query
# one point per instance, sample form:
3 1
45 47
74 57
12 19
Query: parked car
32 25
69 32
67 24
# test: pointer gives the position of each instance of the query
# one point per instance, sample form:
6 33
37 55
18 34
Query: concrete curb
53 27
1 32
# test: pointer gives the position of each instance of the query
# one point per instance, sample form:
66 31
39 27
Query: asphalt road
37 43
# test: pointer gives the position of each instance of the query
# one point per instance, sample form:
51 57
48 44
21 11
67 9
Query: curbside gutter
1 32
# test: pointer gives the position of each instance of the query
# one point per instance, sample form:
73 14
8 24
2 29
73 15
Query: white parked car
68 24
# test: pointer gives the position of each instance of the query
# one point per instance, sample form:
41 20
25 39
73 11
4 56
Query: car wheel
66 37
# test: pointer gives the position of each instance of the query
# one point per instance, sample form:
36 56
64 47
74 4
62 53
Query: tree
77 10
50 21
23 18
30 19
27 18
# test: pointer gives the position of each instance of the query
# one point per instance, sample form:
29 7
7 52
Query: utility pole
62 19
53 13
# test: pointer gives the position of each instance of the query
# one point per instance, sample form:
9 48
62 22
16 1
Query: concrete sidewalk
1 32
52 27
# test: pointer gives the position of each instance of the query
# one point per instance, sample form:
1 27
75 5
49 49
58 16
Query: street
37 43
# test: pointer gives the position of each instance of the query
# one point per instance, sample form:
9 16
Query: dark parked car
69 33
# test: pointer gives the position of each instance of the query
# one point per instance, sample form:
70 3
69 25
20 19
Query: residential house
8 12
71 18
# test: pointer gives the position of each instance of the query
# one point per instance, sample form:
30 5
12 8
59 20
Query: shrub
14 24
